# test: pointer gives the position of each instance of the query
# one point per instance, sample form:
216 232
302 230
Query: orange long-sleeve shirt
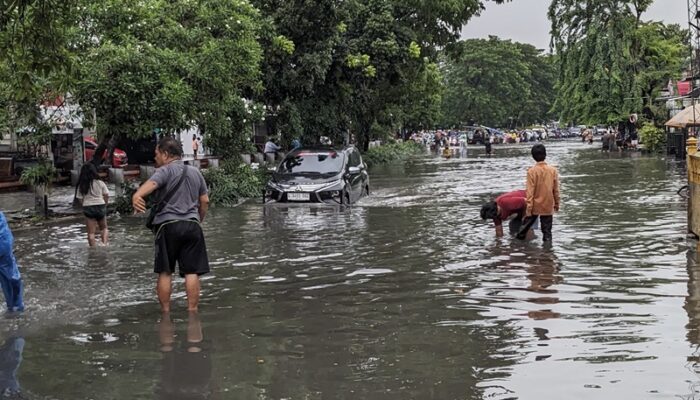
542 186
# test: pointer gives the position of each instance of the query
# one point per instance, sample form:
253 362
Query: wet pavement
406 295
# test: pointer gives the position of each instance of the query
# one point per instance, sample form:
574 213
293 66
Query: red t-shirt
510 203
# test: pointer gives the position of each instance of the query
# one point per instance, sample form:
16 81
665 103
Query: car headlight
274 186
332 184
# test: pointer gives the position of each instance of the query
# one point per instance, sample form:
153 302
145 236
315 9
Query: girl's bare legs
103 227
91 229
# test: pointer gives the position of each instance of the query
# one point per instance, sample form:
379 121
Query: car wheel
365 191
345 198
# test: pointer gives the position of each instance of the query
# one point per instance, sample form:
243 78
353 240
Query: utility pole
694 28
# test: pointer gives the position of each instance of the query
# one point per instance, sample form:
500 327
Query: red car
119 158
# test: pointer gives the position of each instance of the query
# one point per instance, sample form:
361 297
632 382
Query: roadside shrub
122 204
653 137
40 174
393 152
234 181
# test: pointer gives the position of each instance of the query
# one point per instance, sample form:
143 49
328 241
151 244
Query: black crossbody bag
163 202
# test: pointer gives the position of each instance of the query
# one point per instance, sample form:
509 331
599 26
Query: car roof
327 149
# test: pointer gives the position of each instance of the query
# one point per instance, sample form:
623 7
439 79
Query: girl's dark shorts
181 242
95 212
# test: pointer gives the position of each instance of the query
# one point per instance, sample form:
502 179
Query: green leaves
496 82
167 64
611 62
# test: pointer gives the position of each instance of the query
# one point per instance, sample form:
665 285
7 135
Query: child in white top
95 196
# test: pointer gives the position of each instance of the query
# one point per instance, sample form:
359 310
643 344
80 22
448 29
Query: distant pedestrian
94 196
634 138
10 278
195 146
271 147
607 138
178 234
542 194
296 144
487 146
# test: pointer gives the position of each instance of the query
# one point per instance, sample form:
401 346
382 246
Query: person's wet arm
105 193
138 199
203 198
499 228
203 206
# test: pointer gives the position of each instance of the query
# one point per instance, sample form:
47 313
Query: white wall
186 140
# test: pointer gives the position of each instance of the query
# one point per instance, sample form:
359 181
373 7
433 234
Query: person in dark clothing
487 145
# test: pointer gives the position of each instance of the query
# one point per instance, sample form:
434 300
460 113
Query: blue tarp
10 279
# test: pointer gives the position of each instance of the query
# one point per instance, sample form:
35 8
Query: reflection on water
186 366
407 294
10 360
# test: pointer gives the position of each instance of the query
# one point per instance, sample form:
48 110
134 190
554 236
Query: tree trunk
106 146
41 200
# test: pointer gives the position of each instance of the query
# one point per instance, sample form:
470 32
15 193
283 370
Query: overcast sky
526 20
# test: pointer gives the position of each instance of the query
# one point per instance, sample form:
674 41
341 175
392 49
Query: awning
689 116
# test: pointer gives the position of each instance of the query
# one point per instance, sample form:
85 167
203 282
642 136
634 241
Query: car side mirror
354 170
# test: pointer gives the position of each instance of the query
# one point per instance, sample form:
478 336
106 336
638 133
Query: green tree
496 82
610 61
364 67
664 50
168 65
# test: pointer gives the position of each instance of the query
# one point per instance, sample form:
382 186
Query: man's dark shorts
181 242
95 212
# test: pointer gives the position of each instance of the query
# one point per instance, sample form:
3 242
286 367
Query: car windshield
312 162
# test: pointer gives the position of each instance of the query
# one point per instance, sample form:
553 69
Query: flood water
406 295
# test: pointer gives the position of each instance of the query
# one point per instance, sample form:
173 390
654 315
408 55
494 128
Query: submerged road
406 295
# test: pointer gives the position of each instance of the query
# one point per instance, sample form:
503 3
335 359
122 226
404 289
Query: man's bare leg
163 289
194 332
192 288
166 332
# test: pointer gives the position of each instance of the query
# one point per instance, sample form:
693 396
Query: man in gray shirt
179 237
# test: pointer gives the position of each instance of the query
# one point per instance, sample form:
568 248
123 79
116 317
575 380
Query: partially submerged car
319 175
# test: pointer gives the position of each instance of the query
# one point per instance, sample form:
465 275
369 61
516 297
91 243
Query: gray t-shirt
184 204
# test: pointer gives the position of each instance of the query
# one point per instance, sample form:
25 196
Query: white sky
526 20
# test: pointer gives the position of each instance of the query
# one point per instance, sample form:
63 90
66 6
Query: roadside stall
678 127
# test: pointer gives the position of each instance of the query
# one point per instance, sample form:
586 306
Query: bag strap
172 191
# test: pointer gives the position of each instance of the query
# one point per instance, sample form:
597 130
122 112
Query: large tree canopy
321 67
360 67
167 64
497 82
605 55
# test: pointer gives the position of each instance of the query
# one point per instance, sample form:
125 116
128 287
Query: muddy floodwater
406 295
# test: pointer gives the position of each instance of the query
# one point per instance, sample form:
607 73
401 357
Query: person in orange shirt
542 195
